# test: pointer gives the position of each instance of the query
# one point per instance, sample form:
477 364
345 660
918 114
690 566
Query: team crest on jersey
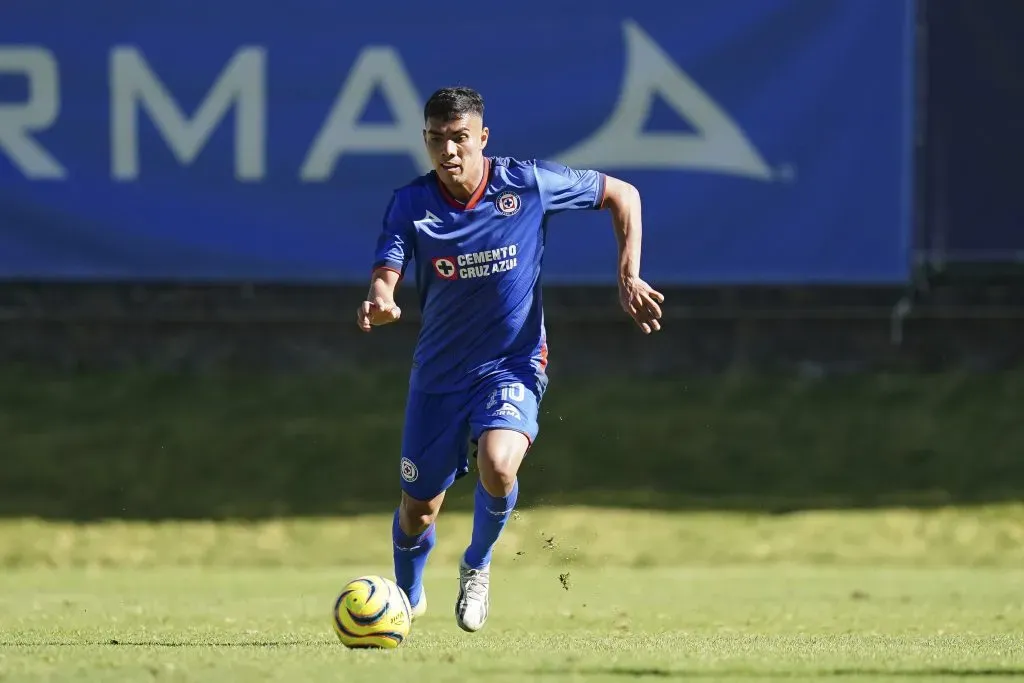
445 268
508 203
410 472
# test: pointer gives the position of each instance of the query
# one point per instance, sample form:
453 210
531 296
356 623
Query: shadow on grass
820 674
256 644
150 446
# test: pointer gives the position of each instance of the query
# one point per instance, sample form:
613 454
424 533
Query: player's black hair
453 103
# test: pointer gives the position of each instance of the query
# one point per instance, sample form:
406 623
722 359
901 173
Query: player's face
456 149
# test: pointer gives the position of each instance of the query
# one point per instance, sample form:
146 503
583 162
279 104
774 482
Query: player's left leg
504 427
500 453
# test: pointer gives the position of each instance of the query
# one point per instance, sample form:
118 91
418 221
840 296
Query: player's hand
641 302
379 312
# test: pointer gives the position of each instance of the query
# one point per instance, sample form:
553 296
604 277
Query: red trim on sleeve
604 191
393 270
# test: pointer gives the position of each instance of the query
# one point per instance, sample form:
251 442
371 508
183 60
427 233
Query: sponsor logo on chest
477 264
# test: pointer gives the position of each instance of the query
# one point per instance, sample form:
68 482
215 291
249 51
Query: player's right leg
433 443
413 537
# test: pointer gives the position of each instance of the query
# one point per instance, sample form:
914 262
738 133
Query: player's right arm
393 253
379 307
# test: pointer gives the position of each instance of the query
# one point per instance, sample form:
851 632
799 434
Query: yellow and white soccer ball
372 612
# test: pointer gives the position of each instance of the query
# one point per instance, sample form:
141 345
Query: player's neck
464 191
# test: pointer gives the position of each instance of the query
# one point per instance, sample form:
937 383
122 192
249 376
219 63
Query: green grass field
726 623
578 594
175 528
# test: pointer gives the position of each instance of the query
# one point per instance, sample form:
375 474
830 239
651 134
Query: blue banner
250 140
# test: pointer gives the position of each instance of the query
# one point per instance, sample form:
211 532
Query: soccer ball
372 612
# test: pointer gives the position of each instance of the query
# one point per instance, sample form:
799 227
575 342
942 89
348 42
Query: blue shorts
440 427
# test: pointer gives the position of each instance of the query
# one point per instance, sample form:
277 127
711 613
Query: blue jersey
478 266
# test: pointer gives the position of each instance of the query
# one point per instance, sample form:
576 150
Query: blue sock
411 558
490 515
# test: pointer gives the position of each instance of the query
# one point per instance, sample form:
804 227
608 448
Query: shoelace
476 584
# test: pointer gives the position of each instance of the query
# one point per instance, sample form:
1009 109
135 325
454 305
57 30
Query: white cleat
420 608
474 593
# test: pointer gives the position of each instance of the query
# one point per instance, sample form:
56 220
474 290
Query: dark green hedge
150 446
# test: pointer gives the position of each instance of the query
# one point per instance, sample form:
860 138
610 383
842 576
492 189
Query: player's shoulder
516 164
407 198
417 185
529 167
520 171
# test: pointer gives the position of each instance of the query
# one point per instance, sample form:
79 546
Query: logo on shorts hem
409 471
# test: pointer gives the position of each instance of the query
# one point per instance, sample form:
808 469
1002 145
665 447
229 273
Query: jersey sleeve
568 189
394 244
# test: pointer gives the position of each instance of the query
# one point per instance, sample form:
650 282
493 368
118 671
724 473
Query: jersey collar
477 195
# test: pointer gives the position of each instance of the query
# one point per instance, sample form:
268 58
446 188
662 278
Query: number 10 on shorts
506 395
513 392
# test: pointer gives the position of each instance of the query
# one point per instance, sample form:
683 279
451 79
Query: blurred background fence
830 186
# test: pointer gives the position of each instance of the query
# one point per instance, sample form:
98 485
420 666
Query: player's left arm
567 189
638 299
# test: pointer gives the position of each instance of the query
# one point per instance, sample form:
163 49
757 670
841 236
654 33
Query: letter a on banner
719 145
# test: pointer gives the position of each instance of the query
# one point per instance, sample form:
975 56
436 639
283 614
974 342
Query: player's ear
484 134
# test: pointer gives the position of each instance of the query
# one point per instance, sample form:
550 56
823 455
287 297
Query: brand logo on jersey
508 203
427 223
444 268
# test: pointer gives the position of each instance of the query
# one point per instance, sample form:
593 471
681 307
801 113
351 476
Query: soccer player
475 227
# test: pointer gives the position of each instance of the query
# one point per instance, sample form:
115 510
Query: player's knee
416 515
498 474
499 457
